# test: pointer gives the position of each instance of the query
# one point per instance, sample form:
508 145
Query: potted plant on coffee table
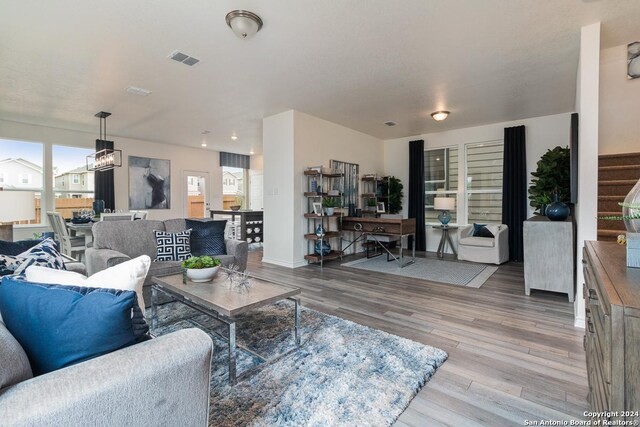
201 268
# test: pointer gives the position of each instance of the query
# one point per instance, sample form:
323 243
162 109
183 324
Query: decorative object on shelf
149 183
16 206
244 24
444 204
633 60
380 207
107 159
372 204
314 185
329 204
317 208
98 206
392 186
235 207
552 176
320 230
333 193
201 269
557 211
352 209
322 248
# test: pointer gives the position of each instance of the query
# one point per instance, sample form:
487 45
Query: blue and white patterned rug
435 270
344 374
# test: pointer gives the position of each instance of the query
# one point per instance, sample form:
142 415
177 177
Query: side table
445 238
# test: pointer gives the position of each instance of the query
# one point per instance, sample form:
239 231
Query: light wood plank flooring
511 357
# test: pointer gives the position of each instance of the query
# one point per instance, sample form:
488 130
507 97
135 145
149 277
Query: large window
480 168
234 191
441 179
484 182
21 169
73 185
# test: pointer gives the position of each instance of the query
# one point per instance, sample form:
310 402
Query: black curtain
514 188
103 181
416 190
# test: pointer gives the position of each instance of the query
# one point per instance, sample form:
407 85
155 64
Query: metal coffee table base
231 325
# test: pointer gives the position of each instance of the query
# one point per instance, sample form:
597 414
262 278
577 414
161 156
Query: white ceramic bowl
200 275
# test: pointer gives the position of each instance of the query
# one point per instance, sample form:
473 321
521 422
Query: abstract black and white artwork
633 60
149 183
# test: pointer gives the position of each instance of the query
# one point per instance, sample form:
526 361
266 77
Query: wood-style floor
511 357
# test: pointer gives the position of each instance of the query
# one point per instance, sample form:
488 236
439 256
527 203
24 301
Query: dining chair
69 245
140 214
120 216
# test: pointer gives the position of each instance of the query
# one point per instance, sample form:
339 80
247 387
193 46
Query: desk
253 218
82 230
445 238
371 227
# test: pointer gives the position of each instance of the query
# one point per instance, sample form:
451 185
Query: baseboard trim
286 264
579 322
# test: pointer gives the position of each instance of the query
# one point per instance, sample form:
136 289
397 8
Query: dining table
82 229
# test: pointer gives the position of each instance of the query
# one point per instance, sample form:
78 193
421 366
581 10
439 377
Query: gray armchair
484 249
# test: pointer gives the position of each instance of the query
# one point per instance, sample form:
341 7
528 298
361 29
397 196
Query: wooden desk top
390 226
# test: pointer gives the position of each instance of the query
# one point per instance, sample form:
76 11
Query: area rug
344 374
435 270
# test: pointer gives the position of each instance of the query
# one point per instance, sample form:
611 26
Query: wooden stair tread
615 213
618 155
631 182
619 167
608 233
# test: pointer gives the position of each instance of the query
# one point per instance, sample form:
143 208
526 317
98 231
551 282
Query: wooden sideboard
612 333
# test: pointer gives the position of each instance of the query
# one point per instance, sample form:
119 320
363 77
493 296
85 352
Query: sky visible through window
64 158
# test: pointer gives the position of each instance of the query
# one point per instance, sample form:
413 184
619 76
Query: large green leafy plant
552 177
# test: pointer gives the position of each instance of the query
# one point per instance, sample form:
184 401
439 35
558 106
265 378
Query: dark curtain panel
103 181
514 188
416 191
234 160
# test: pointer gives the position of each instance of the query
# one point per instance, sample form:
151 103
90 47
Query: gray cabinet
549 255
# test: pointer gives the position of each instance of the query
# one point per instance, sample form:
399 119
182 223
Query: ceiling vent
137 91
390 123
184 58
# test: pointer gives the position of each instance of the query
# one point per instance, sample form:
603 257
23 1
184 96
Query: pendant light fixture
108 158
244 24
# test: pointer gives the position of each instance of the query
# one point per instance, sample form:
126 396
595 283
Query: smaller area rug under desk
434 270
344 374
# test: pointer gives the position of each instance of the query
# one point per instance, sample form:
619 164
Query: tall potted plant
552 179
392 187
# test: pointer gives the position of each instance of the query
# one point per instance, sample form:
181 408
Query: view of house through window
234 187
481 171
21 168
73 185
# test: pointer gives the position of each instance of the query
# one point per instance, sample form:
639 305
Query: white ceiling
358 63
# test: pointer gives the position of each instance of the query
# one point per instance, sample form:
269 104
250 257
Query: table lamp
15 206
444 204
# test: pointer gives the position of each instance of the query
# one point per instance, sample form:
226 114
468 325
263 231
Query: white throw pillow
127 276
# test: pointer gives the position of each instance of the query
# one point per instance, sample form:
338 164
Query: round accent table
445 238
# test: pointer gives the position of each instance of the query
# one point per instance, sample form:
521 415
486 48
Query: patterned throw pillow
207 237
44 254
173 246
8 264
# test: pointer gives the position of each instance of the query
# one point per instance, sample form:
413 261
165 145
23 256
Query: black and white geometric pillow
43 254
173 246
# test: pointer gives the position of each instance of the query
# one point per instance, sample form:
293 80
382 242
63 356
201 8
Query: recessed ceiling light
439 116
204 144
390 123
437 159
251 152
137 91
234 137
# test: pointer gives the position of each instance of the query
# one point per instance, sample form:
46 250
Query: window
21 168
71 162
441 179
233 186
484 182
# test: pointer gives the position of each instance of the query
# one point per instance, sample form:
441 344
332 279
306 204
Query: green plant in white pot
329 204
201 268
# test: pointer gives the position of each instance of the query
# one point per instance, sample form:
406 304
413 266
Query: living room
260 122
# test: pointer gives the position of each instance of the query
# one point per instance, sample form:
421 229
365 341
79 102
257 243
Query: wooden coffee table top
218 296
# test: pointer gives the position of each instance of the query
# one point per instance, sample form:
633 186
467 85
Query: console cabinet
612 332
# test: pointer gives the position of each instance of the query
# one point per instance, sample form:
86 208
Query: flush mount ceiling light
439 116
235 138
244 24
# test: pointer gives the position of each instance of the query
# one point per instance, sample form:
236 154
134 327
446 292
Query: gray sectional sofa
118 241
163 381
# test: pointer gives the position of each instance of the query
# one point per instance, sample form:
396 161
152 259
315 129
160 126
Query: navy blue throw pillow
59 326
481 230
16 248
207 237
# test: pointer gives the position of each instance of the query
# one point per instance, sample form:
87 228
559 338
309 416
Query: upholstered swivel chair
489 250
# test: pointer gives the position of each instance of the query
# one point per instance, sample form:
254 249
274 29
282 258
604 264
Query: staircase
617 174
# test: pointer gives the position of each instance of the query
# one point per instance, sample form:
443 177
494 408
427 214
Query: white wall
182 158
619 127
256 183
542 133
293 141
587 101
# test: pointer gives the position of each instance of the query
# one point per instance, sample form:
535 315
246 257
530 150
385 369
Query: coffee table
225 303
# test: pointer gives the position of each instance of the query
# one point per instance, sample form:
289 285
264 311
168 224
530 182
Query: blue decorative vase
98 206
444 217
322 248
557 211
320 231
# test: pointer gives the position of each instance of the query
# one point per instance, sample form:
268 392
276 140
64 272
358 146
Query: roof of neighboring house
81 169
24 162
236 175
